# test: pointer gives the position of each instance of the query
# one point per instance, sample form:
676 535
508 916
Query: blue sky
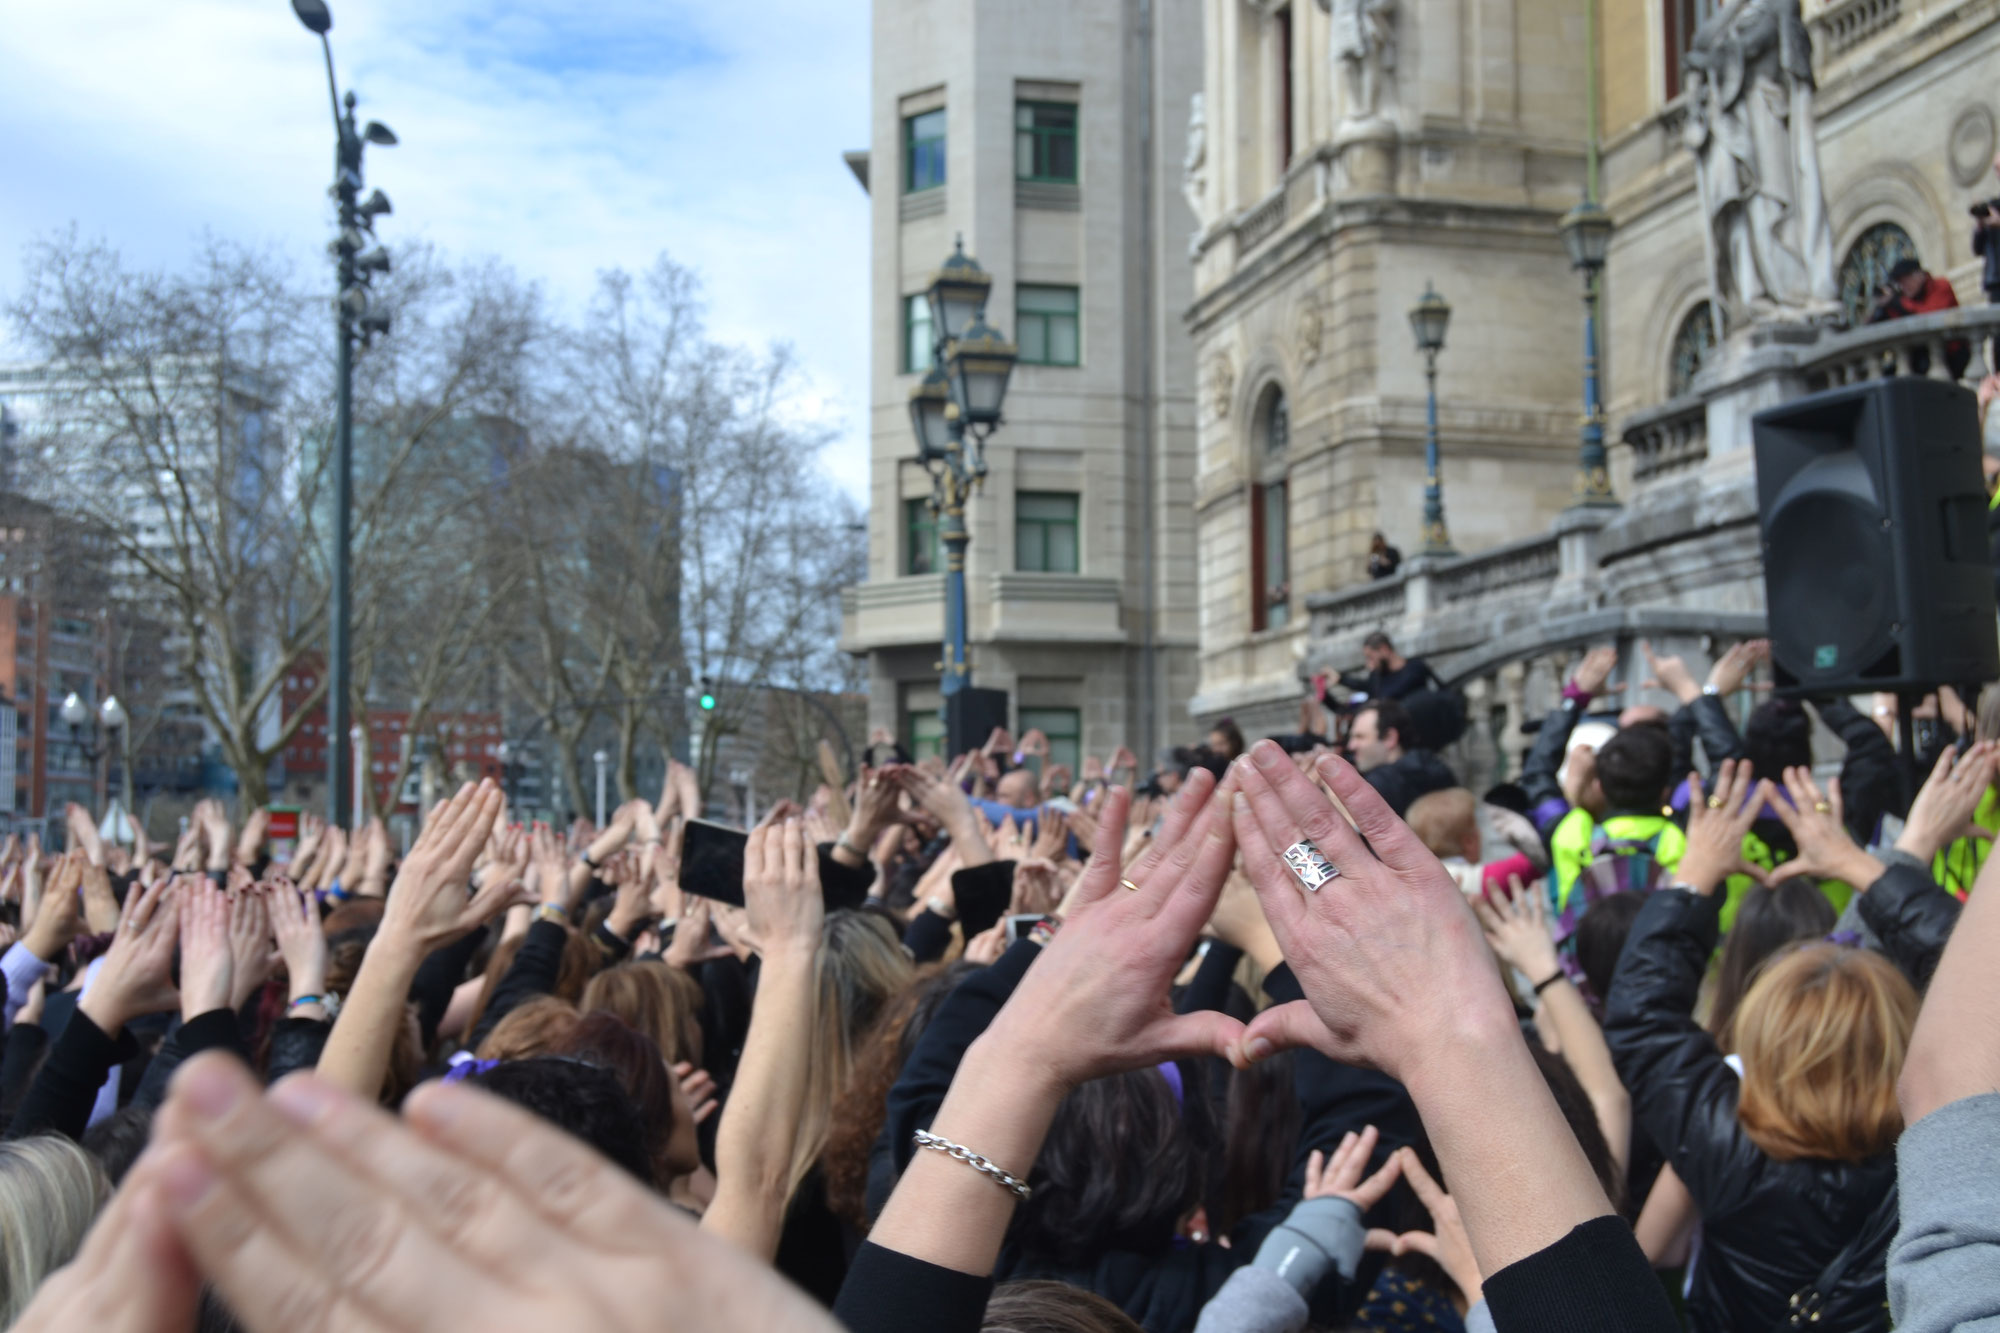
561 136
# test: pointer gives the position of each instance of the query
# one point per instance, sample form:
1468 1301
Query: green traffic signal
707 703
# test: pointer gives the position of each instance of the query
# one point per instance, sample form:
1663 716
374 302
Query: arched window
1692 342
1270 514
1867 266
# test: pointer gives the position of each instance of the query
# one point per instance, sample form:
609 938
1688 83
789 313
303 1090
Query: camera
1985 209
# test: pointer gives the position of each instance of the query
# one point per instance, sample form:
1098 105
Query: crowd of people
1295 1034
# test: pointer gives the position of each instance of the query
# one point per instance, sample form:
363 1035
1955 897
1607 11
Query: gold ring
1715 802
1129 884
1823 807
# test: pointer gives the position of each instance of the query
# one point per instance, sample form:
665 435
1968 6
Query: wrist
104 1009
1005 1071
1858 869
304 983
1470 1036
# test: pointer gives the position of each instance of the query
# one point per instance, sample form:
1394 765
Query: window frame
1042 137
1270 509
911 144
1043 528
1065 742
920 743
917 518
1043 320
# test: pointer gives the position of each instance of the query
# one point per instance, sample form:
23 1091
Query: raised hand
1825 849
478 1214
214 822
1340 1176
1593 673
1517 928
691 945
207 960
1447 1243
427 903
56 916
137 975
312 830
551 866
251 840
1124 761
1670 674
985 948
1942 812
698 1086
633 905
781 890
375 853
100 904
249 943
1239 921
1037 889
1717 823
295 927
1734 667
83 833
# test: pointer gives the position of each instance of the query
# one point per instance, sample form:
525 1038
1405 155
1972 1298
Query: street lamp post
105 727
1586 233
353 321
953 410
1428 318
603 762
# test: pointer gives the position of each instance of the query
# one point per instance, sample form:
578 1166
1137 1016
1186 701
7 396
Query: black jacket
1417 773
1768 1227
1912 917
1382 683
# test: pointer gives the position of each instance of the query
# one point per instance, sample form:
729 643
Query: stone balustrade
1846 24
1917 345
1670 438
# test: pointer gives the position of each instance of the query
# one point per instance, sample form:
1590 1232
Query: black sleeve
1871 784
533 972
1720 739
844 886
919 1090
296 1044
26 1044
927 936
1544 761
1210 987
217 1029
888 1291
62 1094
1682 728
1912 917
1391 785
437 977
1594 1280
1683 1094
982 894
725 1017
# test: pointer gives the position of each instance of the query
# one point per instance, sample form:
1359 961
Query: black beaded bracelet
1558 975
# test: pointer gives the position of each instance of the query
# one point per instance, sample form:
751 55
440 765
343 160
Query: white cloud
563 138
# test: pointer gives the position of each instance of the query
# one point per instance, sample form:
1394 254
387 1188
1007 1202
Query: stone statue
1194 166
1749 88
1364 53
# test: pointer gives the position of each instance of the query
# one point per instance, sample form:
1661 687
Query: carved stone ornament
1221 384
1311 329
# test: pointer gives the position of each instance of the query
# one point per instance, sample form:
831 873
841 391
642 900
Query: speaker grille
1830 576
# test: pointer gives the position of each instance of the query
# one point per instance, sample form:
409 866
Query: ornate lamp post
1586 233
1428 318
353 321
104 730
952 411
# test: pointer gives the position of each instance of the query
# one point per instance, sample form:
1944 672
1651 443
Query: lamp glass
111 713
928 401
1586 233
980 364
957 294
1428 320
73 711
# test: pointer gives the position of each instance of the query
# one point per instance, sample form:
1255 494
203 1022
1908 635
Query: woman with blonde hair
661 1002
1791 1162
50 1191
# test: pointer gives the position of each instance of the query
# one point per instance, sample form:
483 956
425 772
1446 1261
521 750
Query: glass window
1045 532
1692 344
922 552
1277 557
1063 727
1046 320
923 151
919 343
926 735
1045 141
1682 19
1867 266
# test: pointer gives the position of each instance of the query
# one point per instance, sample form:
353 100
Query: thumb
1281 1027
1416 1242
1203 1032
1383 1242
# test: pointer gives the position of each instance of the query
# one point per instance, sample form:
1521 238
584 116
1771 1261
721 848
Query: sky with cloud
563 137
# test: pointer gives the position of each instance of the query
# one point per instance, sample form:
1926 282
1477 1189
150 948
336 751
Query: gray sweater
1944 1268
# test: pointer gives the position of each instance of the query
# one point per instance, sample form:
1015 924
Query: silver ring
1314 870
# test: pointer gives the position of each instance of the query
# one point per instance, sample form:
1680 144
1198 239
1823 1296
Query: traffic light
707 699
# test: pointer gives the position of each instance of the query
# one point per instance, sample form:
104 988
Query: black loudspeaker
969 718
1872 510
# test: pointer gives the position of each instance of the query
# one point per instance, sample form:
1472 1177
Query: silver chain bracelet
959 1152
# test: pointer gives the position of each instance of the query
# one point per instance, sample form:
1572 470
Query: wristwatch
1711 690
550 912
942 907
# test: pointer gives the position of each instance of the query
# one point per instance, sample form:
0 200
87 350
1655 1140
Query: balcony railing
1920 344
1846 24
1364 604
1672 437
1524 565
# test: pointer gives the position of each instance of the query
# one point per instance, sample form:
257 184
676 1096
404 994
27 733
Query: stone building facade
1046 134
1905 138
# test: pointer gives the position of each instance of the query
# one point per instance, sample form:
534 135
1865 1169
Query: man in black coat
1399 773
